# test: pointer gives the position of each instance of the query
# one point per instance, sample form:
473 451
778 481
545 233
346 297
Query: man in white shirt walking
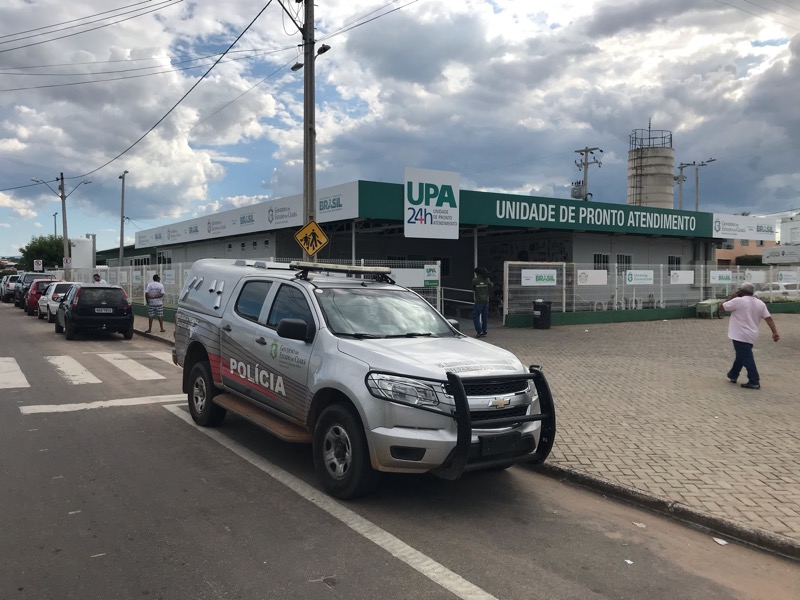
746 314
154 293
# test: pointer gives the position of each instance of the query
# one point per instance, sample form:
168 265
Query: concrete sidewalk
645 413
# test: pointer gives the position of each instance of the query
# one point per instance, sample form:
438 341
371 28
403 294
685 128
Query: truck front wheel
201 392
341 454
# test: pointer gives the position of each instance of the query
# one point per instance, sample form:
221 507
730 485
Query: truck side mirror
296 329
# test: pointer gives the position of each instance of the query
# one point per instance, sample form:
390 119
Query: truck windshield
357 312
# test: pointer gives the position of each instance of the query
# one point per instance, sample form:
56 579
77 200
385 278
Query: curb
153 337
751 536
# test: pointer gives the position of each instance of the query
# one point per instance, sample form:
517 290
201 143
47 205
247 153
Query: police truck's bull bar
456 462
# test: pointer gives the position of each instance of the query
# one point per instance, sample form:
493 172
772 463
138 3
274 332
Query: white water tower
651 168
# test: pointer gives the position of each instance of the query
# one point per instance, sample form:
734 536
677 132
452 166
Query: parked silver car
7 289
50 299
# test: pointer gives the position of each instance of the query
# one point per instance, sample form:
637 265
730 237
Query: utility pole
309 118
63 195
122 220
680 179
55 227
584 164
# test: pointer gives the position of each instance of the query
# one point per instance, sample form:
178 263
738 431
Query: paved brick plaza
647 405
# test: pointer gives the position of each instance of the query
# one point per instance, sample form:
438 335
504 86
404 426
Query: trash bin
541 314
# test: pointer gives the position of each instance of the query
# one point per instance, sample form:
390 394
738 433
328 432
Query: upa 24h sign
431 204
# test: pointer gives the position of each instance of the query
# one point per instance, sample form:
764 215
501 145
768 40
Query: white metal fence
134 279
573 287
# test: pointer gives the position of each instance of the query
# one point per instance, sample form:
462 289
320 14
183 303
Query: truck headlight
401 389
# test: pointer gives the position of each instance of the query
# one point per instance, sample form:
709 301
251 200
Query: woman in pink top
746 314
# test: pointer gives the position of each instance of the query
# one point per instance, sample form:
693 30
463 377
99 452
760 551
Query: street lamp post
697 181
122 220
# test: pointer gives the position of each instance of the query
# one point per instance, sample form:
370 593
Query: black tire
28 310
128 333
39 314
341 454
59 328
201 394
51 318
69 331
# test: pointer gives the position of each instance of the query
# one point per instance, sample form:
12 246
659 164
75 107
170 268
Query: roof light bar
379 273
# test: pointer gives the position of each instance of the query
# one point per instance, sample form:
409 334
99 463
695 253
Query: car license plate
104 310
500 444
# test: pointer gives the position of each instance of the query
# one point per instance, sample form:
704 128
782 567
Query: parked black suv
24 283
97 307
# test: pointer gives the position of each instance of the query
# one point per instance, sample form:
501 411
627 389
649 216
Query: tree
47 248
749 260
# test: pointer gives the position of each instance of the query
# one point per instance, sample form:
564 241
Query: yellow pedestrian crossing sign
311 238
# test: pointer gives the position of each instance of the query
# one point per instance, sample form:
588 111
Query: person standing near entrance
746 314
481 286
154 293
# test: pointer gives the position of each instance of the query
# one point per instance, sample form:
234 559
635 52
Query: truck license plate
500 444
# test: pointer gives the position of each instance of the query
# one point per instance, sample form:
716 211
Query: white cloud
22 208
502 91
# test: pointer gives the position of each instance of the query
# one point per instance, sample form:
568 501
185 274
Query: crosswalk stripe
60 408
71 370
11 376
131 367
165 356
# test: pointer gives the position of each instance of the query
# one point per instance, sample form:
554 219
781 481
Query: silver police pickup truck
365 370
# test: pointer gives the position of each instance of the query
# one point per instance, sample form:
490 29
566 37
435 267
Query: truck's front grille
492 388
483 415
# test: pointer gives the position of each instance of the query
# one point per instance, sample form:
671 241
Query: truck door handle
226 327
261 341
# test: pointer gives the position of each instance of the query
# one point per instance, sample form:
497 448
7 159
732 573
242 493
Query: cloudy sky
501 91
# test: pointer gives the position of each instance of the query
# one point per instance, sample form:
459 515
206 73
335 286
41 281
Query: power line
183 59
329 36
786 5
146 133
94 81
757 16
768 9
72 20
91 28
345 29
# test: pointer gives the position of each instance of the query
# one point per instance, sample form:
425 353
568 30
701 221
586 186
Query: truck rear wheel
341 454
201 393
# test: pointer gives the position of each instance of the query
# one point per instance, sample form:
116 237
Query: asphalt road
128 499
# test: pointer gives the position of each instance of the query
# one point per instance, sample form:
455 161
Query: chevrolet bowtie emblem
499 402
